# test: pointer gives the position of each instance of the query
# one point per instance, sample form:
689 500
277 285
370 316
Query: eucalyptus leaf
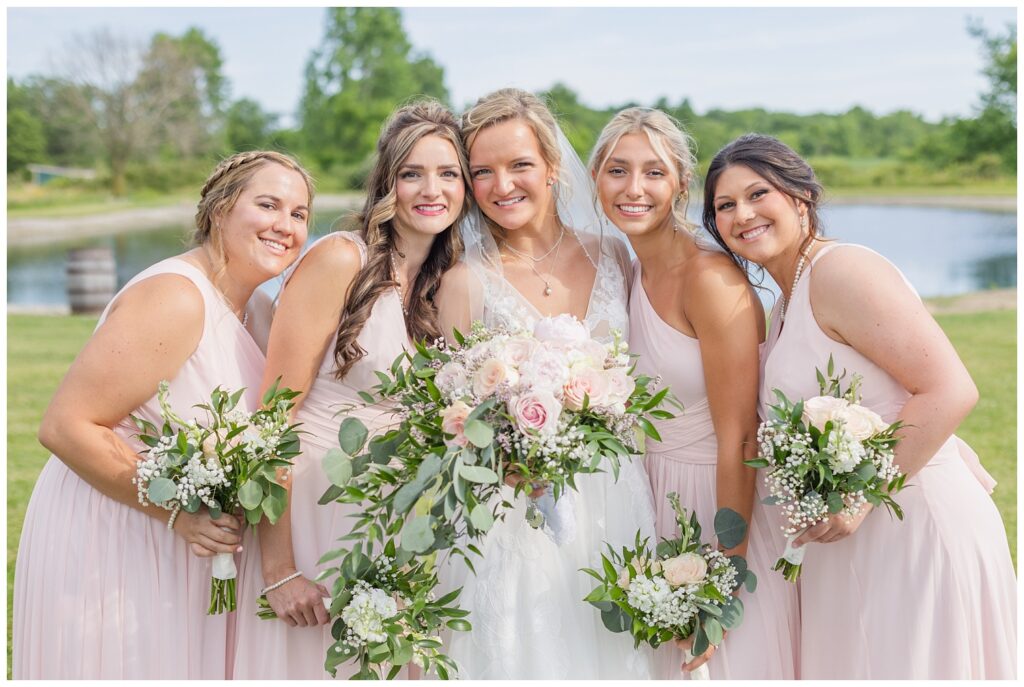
479 433
478 474
730 527
459 624
481 517
352 435
700 642
250 495
338 466
732 614
418 535
713 629
161 489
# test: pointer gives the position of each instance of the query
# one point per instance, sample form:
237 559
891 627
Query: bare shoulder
333 255
713 286
849 274
164 298
458 279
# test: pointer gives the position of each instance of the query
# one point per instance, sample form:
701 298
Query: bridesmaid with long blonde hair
696 321
350 307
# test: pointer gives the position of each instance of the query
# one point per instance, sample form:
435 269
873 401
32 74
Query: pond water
941 251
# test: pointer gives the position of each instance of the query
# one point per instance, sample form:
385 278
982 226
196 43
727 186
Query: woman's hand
300 602
207 536
837 527
514 479
697 661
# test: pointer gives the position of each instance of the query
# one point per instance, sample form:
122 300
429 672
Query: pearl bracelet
174 516
280 583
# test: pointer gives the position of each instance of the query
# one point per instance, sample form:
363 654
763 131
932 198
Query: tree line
157 115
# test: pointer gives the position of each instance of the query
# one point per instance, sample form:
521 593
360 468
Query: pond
941 251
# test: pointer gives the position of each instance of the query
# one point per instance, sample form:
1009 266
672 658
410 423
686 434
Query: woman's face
756 220
636 187
429 187
265 230
510 175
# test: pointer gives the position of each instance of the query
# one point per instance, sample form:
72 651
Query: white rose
517 350
686 568
863 423
451 376
489 375
620 386
822 409
536 411
587 382
562 329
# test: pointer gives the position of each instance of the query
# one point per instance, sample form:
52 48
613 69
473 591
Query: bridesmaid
349 308
696 321
933 596
103 589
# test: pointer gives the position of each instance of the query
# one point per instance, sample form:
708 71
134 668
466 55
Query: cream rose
516 351
489 375
536 411
453 421
620 386
863 423
587 382
451 376
686 568
822 409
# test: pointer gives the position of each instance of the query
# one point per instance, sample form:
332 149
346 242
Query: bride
537 250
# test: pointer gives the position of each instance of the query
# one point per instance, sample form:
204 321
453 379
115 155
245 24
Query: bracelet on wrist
281 582
174 516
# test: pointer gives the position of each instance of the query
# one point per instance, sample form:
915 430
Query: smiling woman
97 569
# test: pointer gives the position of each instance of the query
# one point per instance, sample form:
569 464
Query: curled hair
780 166
667 137
508 104
222 190
406 127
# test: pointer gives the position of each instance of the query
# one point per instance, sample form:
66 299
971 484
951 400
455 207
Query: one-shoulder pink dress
104 591
766 645
270 649
931 597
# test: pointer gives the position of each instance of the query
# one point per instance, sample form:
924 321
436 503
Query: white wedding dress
526 599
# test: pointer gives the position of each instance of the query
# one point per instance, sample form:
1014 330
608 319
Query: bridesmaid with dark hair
933 596
351 305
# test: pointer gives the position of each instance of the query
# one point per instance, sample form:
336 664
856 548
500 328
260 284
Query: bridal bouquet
826 455
544 404
385 614
226 464
682 589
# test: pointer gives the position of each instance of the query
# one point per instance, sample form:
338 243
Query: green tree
364 67
25 142
248 127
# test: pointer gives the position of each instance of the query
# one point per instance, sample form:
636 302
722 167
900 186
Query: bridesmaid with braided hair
105 587
350 306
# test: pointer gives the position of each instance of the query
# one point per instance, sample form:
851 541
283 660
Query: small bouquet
228 463
546 404
682 589
385 614
826 455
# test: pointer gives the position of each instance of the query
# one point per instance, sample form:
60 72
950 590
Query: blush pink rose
587 382
535 411
687 568
489 375
453 421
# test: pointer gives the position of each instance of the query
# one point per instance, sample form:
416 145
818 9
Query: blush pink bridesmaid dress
270 649
931 597
766 645
104 591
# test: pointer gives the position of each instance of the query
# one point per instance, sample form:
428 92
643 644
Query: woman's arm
859 299
728 320
149 333
304 327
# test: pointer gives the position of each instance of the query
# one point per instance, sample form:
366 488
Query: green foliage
364 67
25 141
248 127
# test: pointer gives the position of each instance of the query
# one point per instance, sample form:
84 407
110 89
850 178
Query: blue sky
793 59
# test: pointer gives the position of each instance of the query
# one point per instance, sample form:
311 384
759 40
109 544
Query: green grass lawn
40 349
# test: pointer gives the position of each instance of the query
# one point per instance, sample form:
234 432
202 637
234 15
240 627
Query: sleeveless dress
766 645
104 591
270 649
526 599
931 597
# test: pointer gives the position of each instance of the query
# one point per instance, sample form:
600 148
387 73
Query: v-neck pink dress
766 645
104 591
931 597
270 649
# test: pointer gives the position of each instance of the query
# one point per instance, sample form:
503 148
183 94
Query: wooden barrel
92 279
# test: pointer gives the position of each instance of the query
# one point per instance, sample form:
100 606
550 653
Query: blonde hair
223 188
406 127
669 140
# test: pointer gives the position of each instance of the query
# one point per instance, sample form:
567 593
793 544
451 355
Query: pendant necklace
531 261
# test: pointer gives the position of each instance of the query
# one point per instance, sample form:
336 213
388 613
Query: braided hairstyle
403 130
222 190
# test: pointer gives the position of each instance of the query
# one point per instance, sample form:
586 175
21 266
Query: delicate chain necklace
398 284
532 264
796 277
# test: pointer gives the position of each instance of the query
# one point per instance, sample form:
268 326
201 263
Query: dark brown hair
403 130
780 166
